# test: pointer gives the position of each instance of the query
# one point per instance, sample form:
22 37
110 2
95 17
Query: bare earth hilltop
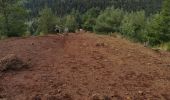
83 66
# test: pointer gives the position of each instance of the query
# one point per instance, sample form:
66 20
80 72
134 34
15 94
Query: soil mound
82 66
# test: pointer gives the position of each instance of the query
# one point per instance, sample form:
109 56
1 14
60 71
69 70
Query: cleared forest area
84 49
84 66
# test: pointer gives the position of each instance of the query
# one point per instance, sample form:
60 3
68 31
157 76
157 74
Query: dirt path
84 67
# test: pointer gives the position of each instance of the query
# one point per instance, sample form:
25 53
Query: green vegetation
64 7
133 26
165 21
72 21
89 19
12 18
109 21
127 18
46 21
168 47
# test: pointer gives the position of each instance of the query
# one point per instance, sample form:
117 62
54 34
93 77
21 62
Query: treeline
139 25
62 7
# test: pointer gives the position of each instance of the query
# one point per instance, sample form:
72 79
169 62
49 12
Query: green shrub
168 46
2 29
89 19
71 23
165 21
133 26
13 22
46 21
109 21
153 29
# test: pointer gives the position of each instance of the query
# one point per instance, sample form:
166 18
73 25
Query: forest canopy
62 7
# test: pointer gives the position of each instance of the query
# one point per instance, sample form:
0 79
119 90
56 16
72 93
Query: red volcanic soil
84 66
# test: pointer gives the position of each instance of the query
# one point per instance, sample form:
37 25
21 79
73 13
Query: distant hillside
62 7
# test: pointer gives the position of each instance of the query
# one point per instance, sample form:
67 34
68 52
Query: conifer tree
12 18
165 21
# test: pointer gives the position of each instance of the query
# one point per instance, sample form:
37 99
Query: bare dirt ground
84 67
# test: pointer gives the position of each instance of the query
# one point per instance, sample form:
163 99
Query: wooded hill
62 7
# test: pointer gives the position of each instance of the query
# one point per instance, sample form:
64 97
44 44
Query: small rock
156 49
84 44
59 97
67 97
100 97
127 93
168 65
53 98
106 98
59 91
96 97
140 92
100 44
51 81
128 98
36 98
105 60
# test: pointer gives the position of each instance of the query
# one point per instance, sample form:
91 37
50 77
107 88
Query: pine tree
13 17
165 21
46 22
72 21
